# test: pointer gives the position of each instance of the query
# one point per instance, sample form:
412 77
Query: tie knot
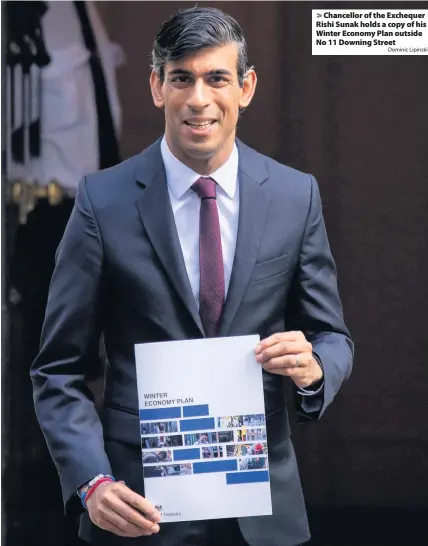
205 188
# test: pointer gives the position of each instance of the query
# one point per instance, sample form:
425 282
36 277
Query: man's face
201 97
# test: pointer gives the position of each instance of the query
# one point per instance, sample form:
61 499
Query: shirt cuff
311 392
315 388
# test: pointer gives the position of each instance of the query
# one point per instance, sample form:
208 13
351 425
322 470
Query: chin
202 151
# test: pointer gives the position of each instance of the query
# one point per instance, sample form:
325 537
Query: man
244 463
257 449
158 457
196 236
203 439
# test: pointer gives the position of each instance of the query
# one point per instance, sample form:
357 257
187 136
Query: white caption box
370 32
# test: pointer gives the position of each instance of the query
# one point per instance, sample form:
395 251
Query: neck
203 165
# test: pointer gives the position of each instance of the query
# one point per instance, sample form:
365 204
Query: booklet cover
203 428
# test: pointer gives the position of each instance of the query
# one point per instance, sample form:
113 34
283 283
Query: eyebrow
215 72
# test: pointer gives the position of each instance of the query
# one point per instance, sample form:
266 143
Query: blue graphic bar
215 466
253 476
190 425
196 411
159 413
187 454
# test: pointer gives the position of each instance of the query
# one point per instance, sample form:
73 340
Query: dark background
360 125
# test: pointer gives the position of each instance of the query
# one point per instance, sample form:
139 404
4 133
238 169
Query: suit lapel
156 214
253 208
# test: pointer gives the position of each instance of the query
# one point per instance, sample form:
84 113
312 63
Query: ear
156 88
248 88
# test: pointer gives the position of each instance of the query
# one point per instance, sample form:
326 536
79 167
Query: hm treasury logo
159 508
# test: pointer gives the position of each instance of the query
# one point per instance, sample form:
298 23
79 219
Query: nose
200 96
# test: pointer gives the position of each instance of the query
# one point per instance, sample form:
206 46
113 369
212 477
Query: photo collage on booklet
197 443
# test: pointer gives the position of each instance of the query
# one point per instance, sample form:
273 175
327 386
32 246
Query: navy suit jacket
119 270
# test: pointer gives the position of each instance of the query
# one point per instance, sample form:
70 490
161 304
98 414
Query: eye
218 80
180 80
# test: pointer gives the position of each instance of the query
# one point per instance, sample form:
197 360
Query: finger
277 338
136 518
294 373
288 361
111 518
137 501
282 348
297 375
108 526
111 528
140 503
121 506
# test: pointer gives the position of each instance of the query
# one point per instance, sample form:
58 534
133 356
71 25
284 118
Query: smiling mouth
200 125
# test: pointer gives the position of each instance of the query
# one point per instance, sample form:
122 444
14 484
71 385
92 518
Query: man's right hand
116 508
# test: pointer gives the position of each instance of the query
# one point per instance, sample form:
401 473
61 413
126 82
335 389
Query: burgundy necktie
211 268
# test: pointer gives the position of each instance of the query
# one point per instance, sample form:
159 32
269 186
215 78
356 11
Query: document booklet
203 428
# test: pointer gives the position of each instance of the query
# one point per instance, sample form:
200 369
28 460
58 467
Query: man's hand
116 508
289 353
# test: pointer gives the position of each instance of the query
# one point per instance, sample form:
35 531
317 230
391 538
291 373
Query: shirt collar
180 178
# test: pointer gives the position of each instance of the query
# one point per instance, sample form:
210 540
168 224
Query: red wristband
96 484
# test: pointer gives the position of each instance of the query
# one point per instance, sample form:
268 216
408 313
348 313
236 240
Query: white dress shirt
186 206
69 134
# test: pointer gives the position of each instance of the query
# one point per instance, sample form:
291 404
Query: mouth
199 129
200 124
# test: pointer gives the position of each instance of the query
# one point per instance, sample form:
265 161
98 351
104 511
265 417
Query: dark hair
195 28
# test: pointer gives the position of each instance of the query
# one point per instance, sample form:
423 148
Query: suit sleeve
63 402
315 309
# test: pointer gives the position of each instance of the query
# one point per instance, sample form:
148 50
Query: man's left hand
289 353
